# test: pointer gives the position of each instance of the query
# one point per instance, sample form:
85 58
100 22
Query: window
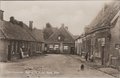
65 47
16 47
37 47
59 38
50 46
56 47
12 47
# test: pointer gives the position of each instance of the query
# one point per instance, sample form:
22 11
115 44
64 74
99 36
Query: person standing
86 56
22 49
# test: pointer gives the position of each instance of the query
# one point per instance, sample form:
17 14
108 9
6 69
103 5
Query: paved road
50 65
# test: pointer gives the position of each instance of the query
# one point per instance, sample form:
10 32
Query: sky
74 14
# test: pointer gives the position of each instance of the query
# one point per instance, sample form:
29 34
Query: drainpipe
118 63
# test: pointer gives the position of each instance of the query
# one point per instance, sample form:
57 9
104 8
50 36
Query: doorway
9 52
101 53
72 50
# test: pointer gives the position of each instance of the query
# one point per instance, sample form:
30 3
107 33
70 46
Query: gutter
97 29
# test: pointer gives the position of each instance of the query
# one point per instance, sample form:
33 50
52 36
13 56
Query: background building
103 34
61 41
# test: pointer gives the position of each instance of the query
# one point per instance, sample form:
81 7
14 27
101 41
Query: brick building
61 41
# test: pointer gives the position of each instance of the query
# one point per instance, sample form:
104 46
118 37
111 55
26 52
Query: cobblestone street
50 65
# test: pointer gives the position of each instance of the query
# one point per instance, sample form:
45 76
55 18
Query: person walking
91 58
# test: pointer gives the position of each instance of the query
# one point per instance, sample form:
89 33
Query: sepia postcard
59 39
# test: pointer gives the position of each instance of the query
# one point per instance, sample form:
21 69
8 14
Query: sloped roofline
58 30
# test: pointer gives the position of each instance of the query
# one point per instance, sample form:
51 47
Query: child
82 67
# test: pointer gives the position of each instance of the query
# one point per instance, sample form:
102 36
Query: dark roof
54 29
76 37
38 34
105 16
68 37
48 31
17 30
29 31
14 31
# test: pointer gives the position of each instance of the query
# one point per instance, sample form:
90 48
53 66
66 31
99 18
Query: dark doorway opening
9 52
102 60
72 50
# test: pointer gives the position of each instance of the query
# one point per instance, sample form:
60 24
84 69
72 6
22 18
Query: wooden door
9 52
102 55
72 50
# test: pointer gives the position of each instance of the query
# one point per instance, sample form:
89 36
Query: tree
48 25
48 31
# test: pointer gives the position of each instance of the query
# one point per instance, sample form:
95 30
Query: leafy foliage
48 31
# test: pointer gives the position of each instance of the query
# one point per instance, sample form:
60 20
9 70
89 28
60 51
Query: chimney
12 20
62 25
66 27
1 14
104 8
30 25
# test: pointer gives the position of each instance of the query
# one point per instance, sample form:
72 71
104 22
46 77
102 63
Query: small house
15 35
61 41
